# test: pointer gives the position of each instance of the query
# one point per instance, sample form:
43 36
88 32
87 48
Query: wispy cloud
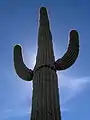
15 96
70 88
14 112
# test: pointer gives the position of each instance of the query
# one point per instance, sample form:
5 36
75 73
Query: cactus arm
20 68
71 54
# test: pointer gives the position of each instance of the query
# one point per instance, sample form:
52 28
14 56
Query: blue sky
19 25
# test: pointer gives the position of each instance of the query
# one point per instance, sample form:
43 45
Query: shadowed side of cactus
71 54
21 69
45 98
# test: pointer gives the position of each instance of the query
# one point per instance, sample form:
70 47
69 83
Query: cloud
70 88
15 96
14 112
18 108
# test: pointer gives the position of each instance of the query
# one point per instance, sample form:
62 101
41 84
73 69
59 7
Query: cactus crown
45 54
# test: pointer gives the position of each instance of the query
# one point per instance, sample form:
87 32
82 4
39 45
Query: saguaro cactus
45 99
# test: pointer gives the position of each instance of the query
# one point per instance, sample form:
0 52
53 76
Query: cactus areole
45 97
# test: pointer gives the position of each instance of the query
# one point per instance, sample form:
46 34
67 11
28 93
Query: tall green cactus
45 99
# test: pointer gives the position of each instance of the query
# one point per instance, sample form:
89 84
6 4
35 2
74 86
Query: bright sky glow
19 25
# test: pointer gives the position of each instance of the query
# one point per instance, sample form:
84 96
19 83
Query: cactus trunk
45 101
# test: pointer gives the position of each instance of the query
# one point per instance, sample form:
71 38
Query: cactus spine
45 99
